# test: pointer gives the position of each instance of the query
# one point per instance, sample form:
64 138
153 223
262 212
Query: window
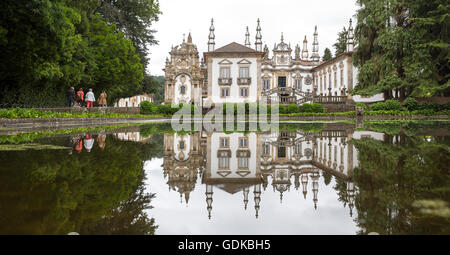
225 92
224 142
298 148
342 78
181 145
224 163
224 159
266 149
243 72
244 92
298 84
282 81
266 84
281 152
243 142
243 163
224 72
182 89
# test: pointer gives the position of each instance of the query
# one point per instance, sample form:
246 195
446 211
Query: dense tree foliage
341 43
327 55
101 191
392 177
51 45
403 46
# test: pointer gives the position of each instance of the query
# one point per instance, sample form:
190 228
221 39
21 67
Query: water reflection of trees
55 192
392 175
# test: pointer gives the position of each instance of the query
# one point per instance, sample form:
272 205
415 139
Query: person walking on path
71 96
80 97
90 98
102 99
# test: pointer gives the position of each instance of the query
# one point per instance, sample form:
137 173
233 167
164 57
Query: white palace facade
237 73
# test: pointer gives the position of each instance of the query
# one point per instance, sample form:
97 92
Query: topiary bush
307 107
411 104
147 108
283 109
293 108
393 105
364 106
316 107
377 106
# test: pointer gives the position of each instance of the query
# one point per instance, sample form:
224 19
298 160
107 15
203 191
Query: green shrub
411 104
147 108
364 106
283 109
435 107
316 107
393 105
307 107
293 108
377 106
447 106
163 109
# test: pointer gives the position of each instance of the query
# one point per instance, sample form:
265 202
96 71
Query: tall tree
327 55
135 19
341 43
49 46
402 46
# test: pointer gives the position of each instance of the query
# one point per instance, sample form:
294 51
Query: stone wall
339 107
125 110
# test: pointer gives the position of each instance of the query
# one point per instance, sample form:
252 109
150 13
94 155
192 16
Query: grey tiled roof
235 47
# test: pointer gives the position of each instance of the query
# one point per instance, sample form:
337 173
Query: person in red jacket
80 97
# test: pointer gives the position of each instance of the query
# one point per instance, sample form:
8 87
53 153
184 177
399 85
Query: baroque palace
237 73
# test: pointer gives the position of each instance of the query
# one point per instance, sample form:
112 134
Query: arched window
183 89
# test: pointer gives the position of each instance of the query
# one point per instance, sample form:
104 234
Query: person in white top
90 98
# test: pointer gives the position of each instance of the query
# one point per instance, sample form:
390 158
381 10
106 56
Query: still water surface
307 178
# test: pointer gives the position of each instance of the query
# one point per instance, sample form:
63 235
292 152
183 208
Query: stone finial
350 41
247 38
189 40
211 37
258 37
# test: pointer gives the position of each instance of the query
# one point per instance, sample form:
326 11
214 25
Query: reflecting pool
306 178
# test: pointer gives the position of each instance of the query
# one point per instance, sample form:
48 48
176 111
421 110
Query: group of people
77 99
77 142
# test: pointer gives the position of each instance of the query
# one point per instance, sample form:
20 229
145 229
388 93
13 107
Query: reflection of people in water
101 140
78 143
88 142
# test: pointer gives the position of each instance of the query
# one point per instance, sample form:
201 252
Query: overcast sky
295 18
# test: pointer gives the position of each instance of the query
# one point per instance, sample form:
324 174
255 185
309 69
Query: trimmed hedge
389 105
315 107
293 108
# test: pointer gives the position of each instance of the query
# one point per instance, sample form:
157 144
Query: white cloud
295 18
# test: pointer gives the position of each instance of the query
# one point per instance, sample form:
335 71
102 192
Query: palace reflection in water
250 162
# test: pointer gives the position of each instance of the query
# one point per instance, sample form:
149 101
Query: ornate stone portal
183 75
